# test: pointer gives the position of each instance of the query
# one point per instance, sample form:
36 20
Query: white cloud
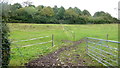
91 5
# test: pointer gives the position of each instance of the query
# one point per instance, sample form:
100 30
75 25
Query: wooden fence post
107 38
52 40
74 35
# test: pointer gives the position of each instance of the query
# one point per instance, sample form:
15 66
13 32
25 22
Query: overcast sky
92 6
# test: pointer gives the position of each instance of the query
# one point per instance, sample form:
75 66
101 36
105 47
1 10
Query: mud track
52 58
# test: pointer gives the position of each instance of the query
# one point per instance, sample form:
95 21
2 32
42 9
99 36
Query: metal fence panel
104 51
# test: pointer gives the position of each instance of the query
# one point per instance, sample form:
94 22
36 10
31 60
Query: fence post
86 45
52 40
107 38
74 37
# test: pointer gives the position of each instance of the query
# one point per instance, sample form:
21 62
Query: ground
58 59
64 36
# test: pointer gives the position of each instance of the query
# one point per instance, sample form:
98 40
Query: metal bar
103 56
86 45
104 51
97 59
104 46
100 59
35 44
104 40
29 39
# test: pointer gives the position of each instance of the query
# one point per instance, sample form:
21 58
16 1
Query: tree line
52 15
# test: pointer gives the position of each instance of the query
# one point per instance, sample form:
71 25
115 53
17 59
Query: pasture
19 31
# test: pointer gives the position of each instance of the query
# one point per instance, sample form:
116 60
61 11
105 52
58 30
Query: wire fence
21 53
104 51
29 39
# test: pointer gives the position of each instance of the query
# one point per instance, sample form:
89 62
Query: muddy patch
52 59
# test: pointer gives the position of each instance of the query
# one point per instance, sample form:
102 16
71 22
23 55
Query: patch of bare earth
52 59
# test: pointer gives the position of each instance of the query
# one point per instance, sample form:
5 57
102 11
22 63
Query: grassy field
19 31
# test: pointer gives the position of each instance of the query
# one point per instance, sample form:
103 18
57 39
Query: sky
110 6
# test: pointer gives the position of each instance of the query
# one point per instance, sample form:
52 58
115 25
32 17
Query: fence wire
21 53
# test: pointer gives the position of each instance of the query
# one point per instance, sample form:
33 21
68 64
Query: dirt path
52 59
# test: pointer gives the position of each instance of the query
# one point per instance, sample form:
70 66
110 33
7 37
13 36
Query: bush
5 45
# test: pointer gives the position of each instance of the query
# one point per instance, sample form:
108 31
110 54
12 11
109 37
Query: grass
20 31
78 56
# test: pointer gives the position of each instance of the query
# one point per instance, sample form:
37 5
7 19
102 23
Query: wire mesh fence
104 51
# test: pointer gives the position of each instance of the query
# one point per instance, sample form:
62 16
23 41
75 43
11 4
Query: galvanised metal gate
104 51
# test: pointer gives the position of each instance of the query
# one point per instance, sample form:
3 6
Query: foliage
71 15
5 45
46 14
86 13
4 32
16 6
77 10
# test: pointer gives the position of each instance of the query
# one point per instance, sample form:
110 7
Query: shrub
5 45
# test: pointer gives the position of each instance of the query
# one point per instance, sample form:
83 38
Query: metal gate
104 51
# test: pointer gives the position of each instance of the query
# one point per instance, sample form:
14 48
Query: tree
106 17
5 45
55 8
60 13
86 12
12 12
16 6
5 8
82 20
71 15
77 10
38 15
47 14
26 14
4 33
39 8
47 11
27 3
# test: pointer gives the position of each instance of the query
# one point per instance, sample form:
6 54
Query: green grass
83 59
20 31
